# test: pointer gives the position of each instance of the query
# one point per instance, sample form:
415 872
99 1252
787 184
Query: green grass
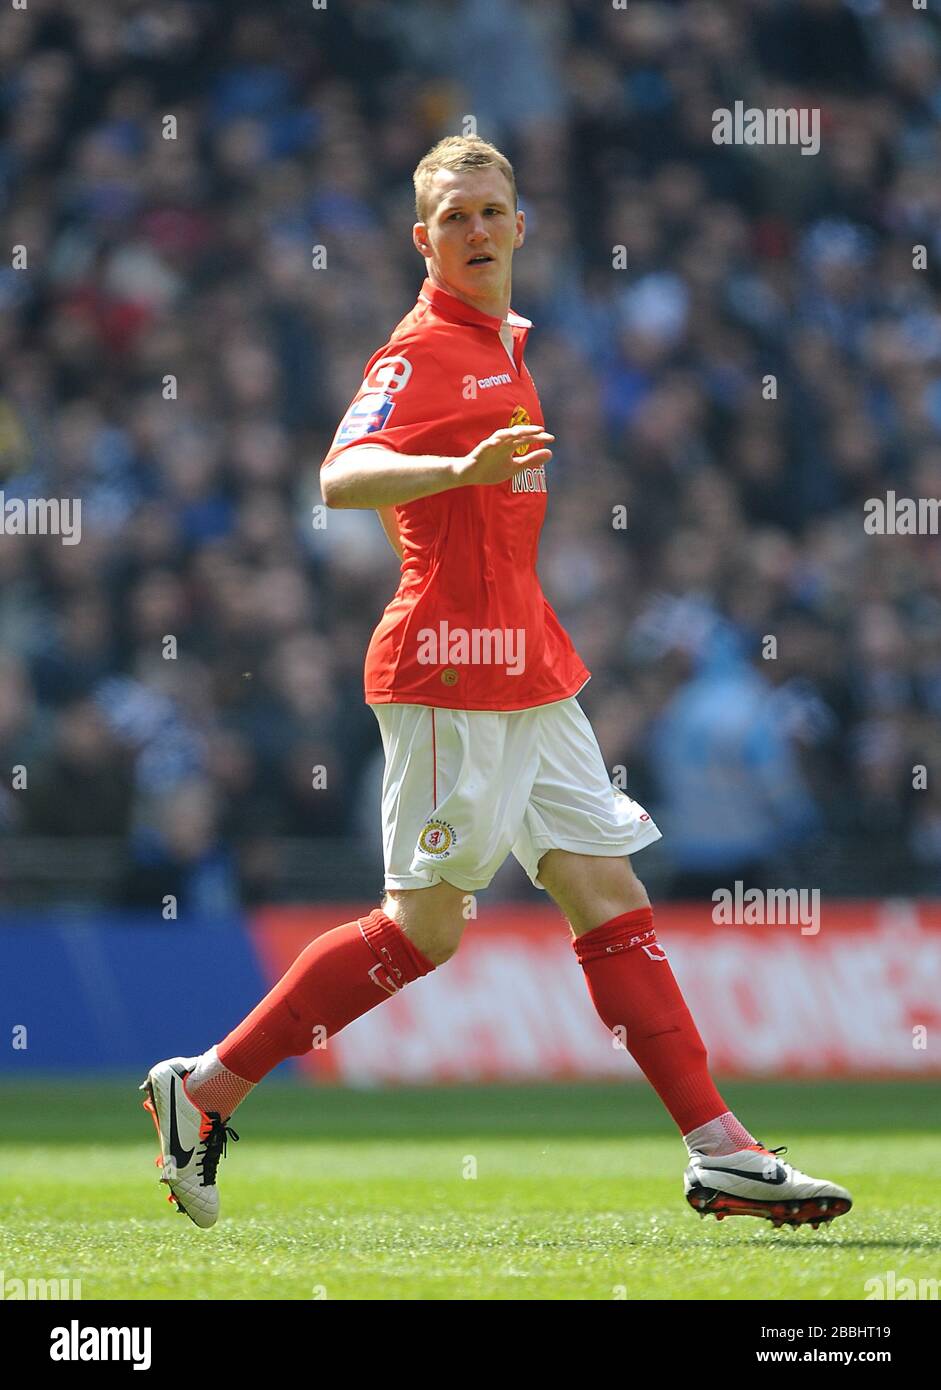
362 1195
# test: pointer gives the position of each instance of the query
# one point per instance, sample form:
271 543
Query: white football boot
191 1141
755 1182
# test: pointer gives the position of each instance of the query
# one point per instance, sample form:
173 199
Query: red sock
633 988
342 974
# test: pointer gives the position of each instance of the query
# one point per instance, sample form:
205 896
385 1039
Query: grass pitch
553 1192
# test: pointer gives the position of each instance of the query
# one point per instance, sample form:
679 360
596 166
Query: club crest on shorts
437 838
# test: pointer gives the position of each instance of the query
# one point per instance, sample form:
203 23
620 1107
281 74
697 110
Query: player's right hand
493 460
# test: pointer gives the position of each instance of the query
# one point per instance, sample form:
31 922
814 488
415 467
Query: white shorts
464 788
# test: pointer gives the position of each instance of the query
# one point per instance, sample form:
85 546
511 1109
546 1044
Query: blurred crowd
735 346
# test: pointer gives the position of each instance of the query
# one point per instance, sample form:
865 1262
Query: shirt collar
456 310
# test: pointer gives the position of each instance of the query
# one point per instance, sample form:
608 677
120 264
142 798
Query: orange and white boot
191 1140
755 1182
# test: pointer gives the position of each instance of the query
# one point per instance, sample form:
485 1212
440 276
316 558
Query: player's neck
497 306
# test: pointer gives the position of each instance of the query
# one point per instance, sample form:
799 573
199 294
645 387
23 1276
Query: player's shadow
840 1242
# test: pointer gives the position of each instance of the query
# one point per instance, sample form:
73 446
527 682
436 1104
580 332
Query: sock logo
393 977
387 984
652 951
633 941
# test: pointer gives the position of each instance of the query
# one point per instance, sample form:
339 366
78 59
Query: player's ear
420 239
520 230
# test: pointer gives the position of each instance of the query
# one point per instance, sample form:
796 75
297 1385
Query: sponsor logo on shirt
529 480
503 379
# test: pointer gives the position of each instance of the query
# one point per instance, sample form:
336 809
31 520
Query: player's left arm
391 527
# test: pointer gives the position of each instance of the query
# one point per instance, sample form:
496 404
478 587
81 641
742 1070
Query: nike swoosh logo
181 1156
779 1174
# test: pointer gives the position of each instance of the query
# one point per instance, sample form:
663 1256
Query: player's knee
437 940
434 926
635 885
437 946
617 888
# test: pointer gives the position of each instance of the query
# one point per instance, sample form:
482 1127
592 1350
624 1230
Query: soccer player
474 683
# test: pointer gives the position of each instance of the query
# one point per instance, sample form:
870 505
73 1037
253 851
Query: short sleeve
398 405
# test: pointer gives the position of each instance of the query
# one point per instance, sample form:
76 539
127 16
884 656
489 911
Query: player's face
470 236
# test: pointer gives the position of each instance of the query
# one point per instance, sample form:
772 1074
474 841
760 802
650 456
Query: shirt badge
520 416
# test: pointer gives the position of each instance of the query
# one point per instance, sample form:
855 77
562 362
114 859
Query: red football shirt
469 626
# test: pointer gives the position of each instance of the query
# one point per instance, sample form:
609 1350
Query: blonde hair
458 153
